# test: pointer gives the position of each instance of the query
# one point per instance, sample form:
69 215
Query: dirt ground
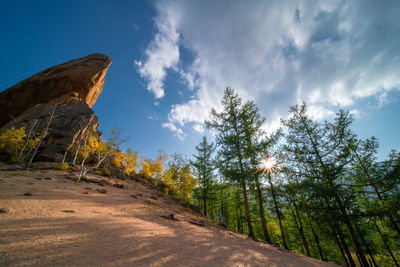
66 223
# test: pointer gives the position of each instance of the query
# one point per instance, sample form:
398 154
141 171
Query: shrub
61 166
105 172
12 142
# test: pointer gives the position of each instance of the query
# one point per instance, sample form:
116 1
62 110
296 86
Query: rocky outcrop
82 78
70 89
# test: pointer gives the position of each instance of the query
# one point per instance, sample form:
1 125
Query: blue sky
173 59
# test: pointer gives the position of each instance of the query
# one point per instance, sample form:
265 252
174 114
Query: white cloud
177 131
189 78
198 128
153 117
162 54
356 113
319 112
328 53
382 98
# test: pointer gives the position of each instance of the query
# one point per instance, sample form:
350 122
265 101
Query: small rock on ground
102 191
4 210
199 223
170 217
68 211
29 194
120 186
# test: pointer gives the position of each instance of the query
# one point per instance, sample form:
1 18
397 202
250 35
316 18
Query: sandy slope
114 229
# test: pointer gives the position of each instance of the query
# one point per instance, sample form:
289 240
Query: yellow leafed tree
153 168
130 161
118 158
178 179
12 142
186 184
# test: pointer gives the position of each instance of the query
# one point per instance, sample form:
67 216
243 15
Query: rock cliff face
70 89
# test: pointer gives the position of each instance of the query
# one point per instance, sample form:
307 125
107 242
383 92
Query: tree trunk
41 137
240 221
315 238
28 138
84 170
246 207
366 246
205 202
340 247
345 247
392 220
299 226
65 155
359 260
351 230
386 244
277 211
261 208
76 155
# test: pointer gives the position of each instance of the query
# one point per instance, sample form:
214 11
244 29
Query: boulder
81 78
69 122
70 90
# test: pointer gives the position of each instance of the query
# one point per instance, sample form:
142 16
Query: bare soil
52 220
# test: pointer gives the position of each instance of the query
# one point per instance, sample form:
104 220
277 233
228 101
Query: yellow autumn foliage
118 159
130 162
12 142
153 168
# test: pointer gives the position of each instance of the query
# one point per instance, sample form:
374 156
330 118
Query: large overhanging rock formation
70 90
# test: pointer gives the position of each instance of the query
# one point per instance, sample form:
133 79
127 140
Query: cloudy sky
173 59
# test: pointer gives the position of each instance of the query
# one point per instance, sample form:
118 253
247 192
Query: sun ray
267 164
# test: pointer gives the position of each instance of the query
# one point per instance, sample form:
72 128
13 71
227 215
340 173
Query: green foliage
178 179
328 197
105 172
236 124
204 166
115 139
61 166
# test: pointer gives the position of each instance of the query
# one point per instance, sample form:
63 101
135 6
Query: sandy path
114 229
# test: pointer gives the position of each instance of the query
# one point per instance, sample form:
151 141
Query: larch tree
232 142
324 151
255 147
204 167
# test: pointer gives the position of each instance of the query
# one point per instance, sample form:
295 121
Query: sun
267 164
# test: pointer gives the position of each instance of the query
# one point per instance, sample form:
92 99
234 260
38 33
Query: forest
312 187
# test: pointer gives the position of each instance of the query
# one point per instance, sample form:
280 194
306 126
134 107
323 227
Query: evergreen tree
232 141
323 152
204 167
252 122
